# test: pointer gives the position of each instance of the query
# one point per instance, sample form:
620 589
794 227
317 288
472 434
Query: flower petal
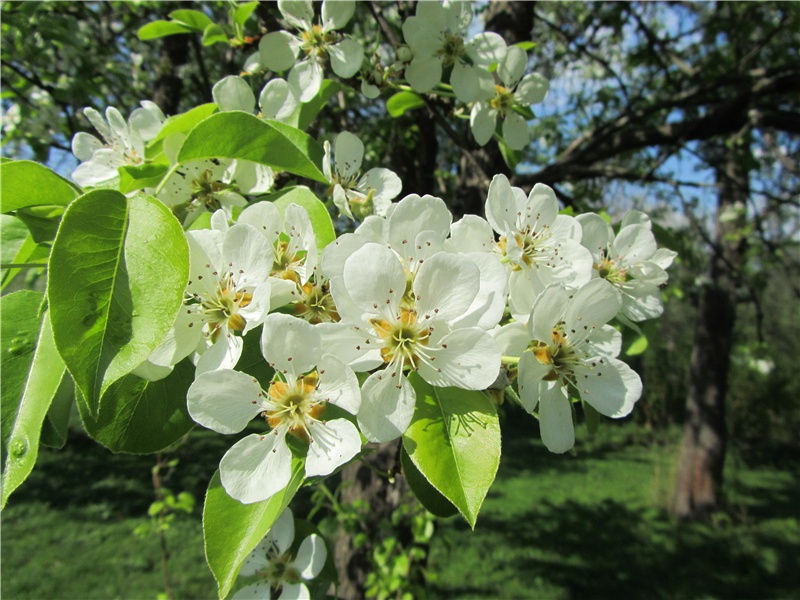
289 344
634 244
281 534
222 354
311 556
255 591
305 79
294 591
466 358
592 306
529 377
513 65
276 100
424 72
337 382
531 90
555 418
84 145
337 13
299 13
445 286
482 122
464 80
596 234
233 93
277 50
333 443
515 131
502 206
346 57
256 467
486 48
374 278
415 214
609 385
348 152
385 183
224 400
387 405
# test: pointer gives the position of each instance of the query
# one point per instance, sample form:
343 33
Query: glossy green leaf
132 178
184 122
56 424
308 111
20 321
526 45
638 346
231 529
24 183
428 495
454 441
140 416
159 29
41 221
42 383
402 102
191 18
116 276
317 212
237 134
214 34
243 12
511 157
29 252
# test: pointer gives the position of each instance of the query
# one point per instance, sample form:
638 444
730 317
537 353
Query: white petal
531 90
251 177
609 385
512 67
266 218
248 256
592 306
255 591
446 286
252 64
467 358
348 151
94 173
117 123
387 406
98 122
471 233
424 72
421 32
641 301
414 214
489 304
385 183
512 338
257 559
332 444
305 79
294 591
297 225
277 50
276 100
346 57
515 131
634 243
256 467
311 556
348 344
233 93
299 13
290 344
542 207
222 354
464 80
337 382
524 287
337 252
281 534
486 48
635 217
375 279
547 312
555 419
482 122
596 234
605 341
502 206
369 90
529 378
224 400
84 145
663 257
336 13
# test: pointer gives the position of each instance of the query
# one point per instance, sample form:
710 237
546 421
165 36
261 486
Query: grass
586 525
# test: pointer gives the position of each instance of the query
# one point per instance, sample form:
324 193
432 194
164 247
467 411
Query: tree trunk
702 453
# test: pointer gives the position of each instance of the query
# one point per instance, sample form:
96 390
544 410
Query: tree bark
698 484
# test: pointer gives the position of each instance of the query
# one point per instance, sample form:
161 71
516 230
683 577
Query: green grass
586 525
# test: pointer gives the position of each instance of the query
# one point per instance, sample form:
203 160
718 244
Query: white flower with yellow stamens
410 326
570 349
631 261
227 295
259 465
293 247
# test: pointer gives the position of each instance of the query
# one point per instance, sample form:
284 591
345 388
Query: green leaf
56 425
231 529
29 252
308 111
19 329
116 276
184 122
511 157
454 441
236 134
525 111
317 212
140 416
24 183
428 495
214 34
159 29
133 178
638 346
243 12
526 45
42 383
401 102
13 234
191 18
591 416
41 221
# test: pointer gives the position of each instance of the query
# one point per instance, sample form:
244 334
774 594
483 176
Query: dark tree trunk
376 480
169 85
702 454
